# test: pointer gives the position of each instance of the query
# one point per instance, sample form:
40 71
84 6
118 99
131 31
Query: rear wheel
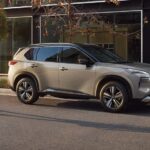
26 91
113 96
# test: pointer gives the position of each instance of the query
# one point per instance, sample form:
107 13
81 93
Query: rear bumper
11 85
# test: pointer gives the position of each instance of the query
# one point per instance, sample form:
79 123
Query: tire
114 96
26 91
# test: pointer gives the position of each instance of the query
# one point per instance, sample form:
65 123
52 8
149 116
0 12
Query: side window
49 54
71 55
31 54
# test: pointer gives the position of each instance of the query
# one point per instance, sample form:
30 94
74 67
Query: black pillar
146 37
36 29
146 31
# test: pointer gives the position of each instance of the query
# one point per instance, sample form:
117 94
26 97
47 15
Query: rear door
46 66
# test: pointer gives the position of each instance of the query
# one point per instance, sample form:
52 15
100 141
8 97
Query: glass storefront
19 34
118 32
15 3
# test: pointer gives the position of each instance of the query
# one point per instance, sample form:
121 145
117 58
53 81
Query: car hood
138 66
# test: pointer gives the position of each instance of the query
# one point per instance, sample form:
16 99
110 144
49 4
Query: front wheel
26 91
113 96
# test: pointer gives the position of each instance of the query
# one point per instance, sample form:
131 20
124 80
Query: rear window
31 54
48 54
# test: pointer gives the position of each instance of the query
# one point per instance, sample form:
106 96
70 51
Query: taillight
12 62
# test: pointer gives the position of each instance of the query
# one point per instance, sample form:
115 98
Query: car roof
52 44
58 44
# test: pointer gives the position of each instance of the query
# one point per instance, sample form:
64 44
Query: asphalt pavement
58 124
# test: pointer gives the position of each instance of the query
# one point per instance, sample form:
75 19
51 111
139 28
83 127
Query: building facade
123 29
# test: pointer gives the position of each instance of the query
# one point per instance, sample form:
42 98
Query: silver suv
77 71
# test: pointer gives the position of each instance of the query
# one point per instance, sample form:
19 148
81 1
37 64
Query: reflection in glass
120 33
19 35
13 3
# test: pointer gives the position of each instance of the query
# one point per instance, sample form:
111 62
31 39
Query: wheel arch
117 79
25 75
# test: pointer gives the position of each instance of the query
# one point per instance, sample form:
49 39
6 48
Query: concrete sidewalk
7 92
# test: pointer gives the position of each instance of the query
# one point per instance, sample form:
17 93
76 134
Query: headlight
138 72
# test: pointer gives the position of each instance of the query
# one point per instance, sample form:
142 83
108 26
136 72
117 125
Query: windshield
102 55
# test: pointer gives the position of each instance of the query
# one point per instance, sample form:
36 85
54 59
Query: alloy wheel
25 91
113 97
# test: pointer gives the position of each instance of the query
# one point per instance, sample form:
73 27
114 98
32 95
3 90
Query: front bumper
143 88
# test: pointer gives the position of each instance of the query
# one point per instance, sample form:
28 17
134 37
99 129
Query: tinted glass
71 55
31 54
48 54
102 55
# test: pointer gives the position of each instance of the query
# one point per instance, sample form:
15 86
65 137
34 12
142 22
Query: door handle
34 66
63 69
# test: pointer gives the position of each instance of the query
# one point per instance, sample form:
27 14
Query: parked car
77 71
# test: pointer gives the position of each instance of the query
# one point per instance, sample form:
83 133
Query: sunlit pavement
71 125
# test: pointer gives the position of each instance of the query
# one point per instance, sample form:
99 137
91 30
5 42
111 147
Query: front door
74 76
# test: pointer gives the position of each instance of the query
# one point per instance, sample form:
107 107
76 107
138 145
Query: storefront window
128 35
51 30
117 32
19 34
13 3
